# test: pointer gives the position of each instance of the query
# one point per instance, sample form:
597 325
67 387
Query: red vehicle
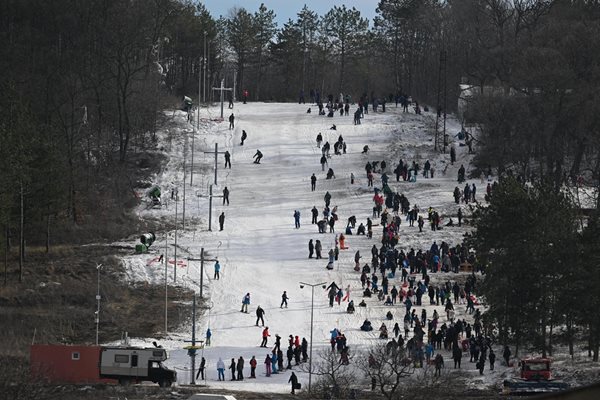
535 376
536 369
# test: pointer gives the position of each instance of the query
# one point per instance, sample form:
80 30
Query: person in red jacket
265 335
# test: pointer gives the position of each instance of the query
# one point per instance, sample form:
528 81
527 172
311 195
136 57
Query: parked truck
100 364
133 364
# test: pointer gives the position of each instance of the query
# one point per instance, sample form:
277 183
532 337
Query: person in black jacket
221 221
232 368
201 368
290 357
294 381
259 316
240 369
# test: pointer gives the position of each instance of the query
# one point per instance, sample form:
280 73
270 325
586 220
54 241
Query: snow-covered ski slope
259 249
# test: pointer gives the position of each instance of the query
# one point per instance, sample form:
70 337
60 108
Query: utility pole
193 141
98 266
312 306
192 349
217 152
445 98
210 197
204 70
202 259
166 260
175 251
183 212
222 89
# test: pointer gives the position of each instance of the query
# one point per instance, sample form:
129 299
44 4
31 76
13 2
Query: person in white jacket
221 369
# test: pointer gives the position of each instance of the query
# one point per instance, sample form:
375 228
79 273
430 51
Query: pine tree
344 32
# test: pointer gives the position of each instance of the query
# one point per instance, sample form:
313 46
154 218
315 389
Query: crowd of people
397 278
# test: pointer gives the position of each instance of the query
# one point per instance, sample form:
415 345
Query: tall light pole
204 70
312 306
166 260
98 266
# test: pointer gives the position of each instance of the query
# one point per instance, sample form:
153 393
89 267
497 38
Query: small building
66 364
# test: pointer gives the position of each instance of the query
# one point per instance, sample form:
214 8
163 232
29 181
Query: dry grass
56 301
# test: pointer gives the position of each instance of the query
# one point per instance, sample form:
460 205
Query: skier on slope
284 299
245 303
259 316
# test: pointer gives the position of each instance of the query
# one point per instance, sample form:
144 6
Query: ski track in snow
261 252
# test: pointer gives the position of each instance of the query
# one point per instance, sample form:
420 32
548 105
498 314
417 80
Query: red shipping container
66 364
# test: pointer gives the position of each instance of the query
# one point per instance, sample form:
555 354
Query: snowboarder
244 137
221 220
257 157
284 299
313 181
259 316
231 121
227 159
225 195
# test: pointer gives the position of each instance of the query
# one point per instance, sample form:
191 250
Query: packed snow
260 250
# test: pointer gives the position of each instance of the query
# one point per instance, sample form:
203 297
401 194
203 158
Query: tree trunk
579 151
569 324
6 250
21 235
47 233
259 75
342 66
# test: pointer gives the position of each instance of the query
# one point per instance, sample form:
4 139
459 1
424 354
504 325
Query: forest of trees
84 83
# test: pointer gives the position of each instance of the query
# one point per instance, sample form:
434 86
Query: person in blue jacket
217 270
245 303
